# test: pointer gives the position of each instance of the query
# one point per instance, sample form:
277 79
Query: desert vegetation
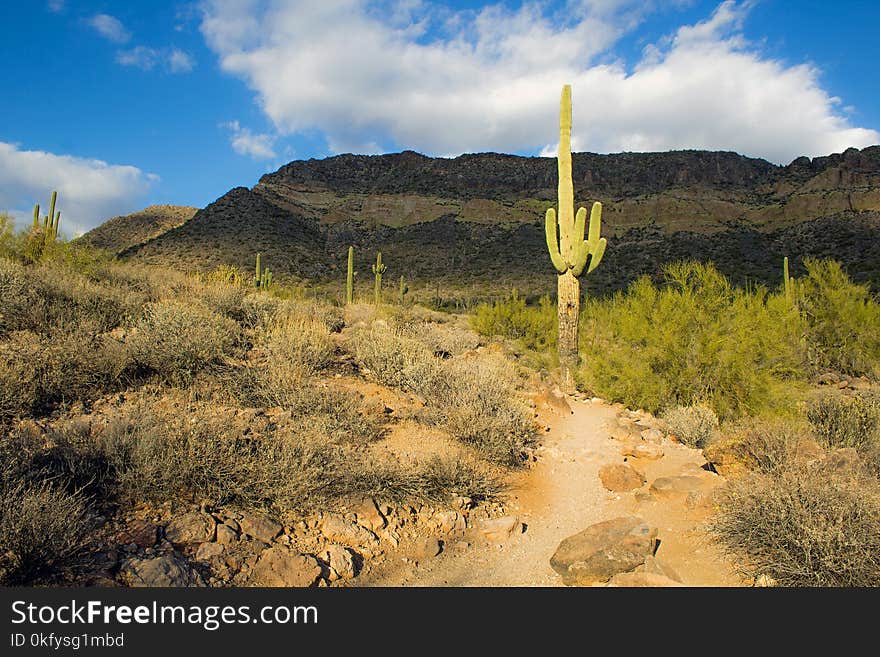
123 386
733 370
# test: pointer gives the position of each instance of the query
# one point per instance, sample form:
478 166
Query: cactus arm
596 254
52 208
553 241
57 224
37 215
595 222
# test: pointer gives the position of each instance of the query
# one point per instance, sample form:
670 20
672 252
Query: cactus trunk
349 280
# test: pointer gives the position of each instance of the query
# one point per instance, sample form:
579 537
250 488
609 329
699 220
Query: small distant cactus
349 280
378 270
50 222
403 289
262 277
790 283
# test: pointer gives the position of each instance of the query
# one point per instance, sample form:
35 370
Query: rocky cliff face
478 218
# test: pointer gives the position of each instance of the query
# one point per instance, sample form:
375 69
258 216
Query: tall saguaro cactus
349 280
378 270
569 251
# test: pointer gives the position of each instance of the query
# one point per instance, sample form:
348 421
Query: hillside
124 231
477 219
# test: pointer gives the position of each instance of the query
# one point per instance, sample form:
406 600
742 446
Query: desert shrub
512 318
329 315
694 425
843 320
693 339
766 445
223 298
443 340
7 235
177 339
475 400
396 359
16 300
846 421
257 308
40 527
302 344
804 526
38 371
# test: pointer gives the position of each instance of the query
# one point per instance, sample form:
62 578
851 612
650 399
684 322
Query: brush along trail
561 494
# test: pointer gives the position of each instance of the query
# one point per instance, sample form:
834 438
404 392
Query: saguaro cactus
569 251
378 270
257 272
50 222
790 283
403 289
349 280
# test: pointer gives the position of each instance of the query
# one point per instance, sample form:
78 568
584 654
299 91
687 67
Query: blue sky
121 104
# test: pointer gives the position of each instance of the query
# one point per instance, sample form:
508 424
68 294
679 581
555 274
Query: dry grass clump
475 401
694 425
176 339
802 516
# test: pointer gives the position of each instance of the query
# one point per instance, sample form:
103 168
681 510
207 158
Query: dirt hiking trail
562 494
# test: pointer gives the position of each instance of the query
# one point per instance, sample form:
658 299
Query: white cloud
180 62
142 57
421 76
145 58
110 28
56 6
245 142
89 191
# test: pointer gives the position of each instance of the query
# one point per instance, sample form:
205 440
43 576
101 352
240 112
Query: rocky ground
608 498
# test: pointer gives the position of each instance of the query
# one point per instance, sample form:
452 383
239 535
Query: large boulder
164 571
277 566
603 550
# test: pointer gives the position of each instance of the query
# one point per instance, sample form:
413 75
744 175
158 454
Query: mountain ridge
444 218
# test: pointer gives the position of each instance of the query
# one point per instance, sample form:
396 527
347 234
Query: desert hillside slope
477 219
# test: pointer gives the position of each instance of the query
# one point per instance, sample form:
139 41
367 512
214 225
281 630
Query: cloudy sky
118 104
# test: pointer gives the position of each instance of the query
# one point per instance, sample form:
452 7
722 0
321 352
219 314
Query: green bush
843 320
693 339
512 318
